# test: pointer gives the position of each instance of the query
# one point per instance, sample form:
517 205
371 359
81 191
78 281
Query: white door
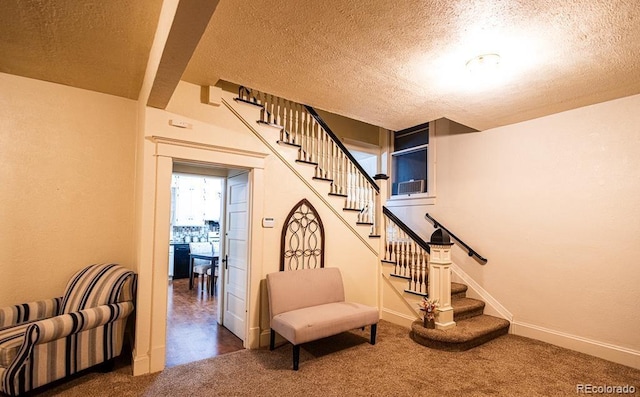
235 262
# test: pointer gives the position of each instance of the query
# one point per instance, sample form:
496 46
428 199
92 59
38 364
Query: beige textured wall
67 177
217 128
348 128
553 203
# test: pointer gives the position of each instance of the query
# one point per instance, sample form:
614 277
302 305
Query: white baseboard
157 358
492 306
397 318
617 354
264 338
148 363
139 363
254 340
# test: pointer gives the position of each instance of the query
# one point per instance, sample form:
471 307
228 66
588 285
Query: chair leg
296 357
272 340
374 328
191 276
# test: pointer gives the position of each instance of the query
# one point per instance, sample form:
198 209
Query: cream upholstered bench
306 305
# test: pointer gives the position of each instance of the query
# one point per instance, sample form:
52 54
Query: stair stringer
253 127
274 136
397 307
492 306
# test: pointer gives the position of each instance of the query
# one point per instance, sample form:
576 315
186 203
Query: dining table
214 264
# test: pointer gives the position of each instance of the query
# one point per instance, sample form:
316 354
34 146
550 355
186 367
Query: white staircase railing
301 126
408 253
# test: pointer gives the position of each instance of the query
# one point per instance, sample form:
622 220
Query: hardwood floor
192 329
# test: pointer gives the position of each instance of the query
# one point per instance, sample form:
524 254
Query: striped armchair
44 341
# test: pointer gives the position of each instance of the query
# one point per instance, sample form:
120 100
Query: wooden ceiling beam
190 21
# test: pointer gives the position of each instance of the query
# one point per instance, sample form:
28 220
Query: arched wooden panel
302 242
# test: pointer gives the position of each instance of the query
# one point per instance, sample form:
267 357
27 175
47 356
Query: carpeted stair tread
465 335
464 308
458 290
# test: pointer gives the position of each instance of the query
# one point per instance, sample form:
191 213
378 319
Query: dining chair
213 278
201 266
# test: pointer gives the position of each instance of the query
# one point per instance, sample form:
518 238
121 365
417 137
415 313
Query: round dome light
484 63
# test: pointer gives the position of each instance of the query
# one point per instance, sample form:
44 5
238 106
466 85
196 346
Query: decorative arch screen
302 239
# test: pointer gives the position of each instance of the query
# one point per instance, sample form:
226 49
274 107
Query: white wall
553 203
67 177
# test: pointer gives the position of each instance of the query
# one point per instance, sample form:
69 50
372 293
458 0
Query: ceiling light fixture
485 63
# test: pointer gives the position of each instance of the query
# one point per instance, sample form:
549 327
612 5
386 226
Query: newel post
440 277
380 199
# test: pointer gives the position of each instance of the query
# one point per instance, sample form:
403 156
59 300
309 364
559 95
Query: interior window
409 160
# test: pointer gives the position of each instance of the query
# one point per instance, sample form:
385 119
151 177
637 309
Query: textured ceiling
400 63
389 63
99 45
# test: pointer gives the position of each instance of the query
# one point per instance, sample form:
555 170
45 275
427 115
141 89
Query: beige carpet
347 365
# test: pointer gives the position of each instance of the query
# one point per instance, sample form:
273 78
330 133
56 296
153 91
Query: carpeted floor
347 365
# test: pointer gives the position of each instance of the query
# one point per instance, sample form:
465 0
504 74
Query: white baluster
362 192
312 139
274 108
367 202
325 153
332 164
303 132
286 122
361 197
353 200
292 124
337 156
263 111
357 201
279 111
318 149
267 106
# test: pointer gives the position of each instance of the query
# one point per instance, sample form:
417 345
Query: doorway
197 325
154 200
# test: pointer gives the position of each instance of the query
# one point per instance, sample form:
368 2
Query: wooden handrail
403 226
346 151
470 250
